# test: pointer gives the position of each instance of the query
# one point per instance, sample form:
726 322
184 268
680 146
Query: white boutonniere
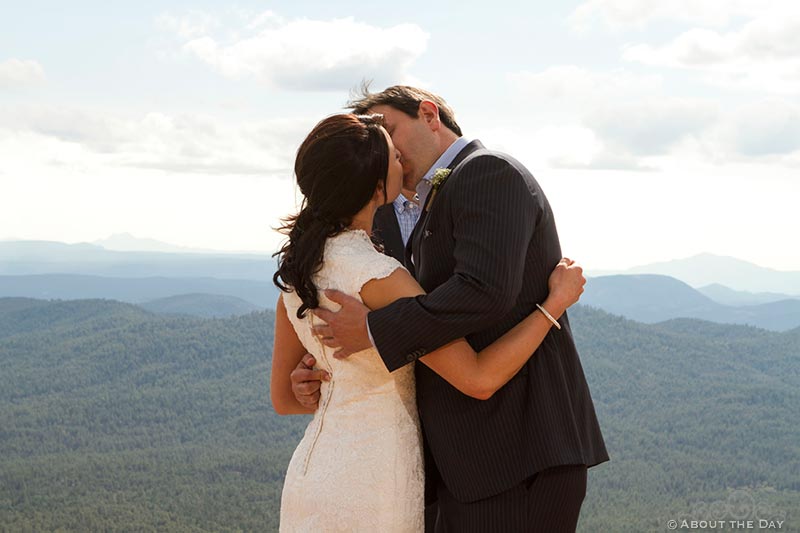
439 177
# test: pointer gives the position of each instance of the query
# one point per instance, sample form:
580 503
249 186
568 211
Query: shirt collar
447 157
400 204
424 185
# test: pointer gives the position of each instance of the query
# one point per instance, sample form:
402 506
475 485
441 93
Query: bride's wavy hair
338 167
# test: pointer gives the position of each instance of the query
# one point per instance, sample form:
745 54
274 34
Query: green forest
113 418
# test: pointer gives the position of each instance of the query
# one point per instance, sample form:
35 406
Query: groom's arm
494 213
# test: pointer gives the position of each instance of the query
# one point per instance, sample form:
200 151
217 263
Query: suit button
409 358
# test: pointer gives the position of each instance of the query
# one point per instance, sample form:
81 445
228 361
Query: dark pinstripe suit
484 253
387 230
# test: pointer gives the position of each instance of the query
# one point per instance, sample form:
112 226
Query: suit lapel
414 242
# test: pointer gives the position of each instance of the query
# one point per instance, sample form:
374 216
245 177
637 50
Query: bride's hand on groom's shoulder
345 329
566 284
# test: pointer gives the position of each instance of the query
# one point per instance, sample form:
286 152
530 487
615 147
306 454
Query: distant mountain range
261 294
53 270
726 290
123 255
727 296
201 305
652 298
708 269
125 242
42 257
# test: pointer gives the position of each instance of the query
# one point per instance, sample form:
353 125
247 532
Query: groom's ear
429 112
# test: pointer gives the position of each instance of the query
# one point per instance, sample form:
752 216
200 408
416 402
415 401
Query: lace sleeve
352 260
376 266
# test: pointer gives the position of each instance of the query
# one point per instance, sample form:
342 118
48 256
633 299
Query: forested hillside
116 419
695 414
112 418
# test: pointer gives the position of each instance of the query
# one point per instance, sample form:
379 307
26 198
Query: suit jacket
483 250
387 230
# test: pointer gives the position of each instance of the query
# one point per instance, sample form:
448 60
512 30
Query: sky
658 130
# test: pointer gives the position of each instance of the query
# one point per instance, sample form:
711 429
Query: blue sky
658 130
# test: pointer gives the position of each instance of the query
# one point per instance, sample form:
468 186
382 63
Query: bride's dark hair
338 168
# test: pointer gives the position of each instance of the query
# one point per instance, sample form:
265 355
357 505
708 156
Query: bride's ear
380 193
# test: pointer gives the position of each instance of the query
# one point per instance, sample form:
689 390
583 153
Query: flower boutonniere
439 177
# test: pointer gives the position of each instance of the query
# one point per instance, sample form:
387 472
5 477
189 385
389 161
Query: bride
359 466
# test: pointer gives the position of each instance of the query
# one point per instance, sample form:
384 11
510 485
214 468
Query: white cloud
78 175
15 72
569 88
602 160
770 37
762 129
606 120
559 146
193 24
178 178
659 132
638 14
193 144
267 18
80 203
694 48
742 49
762 55
305 54
651 126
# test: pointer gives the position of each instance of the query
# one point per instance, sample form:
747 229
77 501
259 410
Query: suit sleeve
494 213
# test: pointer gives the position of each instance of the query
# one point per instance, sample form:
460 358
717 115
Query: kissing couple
438 362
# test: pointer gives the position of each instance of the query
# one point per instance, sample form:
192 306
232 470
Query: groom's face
414 139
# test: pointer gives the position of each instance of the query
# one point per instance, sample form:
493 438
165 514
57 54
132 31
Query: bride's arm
481 374
286 354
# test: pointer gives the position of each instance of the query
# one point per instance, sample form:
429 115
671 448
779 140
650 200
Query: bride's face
394 176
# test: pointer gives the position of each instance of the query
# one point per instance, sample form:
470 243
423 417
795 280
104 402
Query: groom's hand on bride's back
345 329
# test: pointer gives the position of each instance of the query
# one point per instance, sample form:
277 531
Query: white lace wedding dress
359 466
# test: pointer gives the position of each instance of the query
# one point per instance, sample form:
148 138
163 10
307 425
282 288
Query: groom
483 249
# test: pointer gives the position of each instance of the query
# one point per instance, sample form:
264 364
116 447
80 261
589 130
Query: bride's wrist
555 306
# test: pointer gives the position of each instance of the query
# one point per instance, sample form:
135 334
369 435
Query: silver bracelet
548 316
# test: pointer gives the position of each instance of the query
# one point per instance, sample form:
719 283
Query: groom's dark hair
403 98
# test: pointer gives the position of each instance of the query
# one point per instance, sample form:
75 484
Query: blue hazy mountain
653 298
201 305
50 270
125 242
707 269
135 290
43 257
727 296
53 270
